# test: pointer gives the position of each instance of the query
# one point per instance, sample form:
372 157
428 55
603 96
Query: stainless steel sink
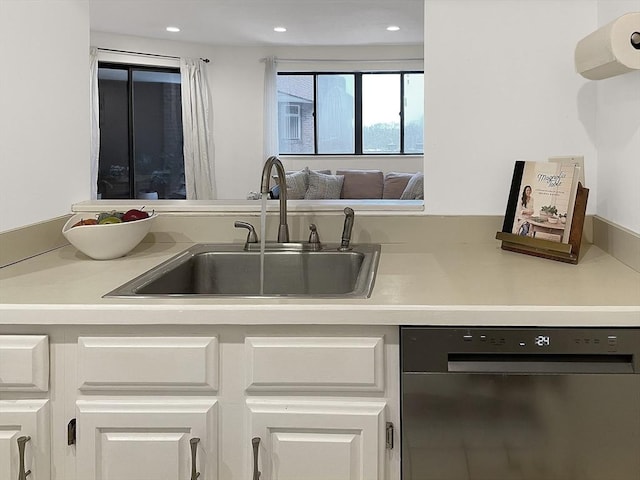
290 270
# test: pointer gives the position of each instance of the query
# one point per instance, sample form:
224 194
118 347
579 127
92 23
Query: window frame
358 126
130 68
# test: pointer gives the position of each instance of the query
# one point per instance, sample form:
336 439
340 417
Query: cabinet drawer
24 363
148 363
315 363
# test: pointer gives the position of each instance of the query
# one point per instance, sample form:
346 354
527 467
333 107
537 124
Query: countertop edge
471 315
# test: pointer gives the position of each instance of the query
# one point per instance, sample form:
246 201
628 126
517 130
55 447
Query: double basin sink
295 270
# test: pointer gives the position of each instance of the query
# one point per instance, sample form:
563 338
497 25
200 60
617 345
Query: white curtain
95 120
196 124
270 133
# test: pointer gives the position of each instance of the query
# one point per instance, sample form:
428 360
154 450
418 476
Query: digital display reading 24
542 340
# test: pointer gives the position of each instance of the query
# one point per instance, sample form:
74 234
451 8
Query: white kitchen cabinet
317 397
147 439
25 421
317 440
138 429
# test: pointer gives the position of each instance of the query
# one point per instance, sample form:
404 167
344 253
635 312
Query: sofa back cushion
394 184
362 184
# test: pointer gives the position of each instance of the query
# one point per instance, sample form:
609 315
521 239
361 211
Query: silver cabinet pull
255 441
194 450
22 475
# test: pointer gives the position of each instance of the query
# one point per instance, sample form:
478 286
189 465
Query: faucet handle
252 236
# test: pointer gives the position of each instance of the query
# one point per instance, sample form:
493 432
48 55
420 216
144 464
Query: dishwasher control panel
594 340
425 347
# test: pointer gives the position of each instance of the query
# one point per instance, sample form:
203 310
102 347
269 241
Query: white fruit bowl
105 242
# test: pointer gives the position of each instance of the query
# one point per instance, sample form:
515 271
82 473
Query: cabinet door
146 440
317 439
25 418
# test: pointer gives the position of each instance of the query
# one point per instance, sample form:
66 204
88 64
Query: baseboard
32 240
617 241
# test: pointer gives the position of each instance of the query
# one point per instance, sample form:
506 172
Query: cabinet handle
194 451
22 475
255 441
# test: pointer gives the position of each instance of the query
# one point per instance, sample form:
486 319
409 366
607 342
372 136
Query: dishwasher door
476 410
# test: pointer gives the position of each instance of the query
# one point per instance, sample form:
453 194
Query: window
291 125
140 132
351 113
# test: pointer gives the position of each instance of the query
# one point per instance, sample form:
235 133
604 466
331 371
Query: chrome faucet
273 161
346 230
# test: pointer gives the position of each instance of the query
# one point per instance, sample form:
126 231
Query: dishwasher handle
492 363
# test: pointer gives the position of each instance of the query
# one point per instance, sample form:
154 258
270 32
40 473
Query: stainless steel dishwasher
520 403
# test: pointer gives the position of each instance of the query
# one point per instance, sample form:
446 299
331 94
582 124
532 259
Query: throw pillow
394 184
415 188
362 184
297 183
322 186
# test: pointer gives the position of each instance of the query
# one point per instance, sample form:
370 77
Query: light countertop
454 284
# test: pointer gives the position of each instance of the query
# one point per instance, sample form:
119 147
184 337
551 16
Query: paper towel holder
611 50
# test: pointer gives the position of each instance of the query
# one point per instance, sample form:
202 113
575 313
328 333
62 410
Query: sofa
351 184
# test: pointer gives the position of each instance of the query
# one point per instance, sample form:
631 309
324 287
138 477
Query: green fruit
107 220
112 213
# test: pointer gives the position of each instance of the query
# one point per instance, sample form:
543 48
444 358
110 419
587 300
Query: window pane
113 175
381 113
158 157
295 114
414 113
335 115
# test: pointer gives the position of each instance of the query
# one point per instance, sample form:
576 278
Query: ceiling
251 22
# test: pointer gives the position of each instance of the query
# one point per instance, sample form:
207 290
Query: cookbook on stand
541 200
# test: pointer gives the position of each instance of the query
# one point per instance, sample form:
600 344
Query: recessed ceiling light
279 29
393 28
173 29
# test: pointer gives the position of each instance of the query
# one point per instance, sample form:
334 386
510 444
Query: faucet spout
273 161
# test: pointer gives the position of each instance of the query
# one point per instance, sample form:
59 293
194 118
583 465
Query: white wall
236 80
500 85
618 135
44 128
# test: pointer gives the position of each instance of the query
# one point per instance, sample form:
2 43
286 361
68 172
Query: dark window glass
140 132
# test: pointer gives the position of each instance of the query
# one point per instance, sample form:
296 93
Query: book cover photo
541 200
